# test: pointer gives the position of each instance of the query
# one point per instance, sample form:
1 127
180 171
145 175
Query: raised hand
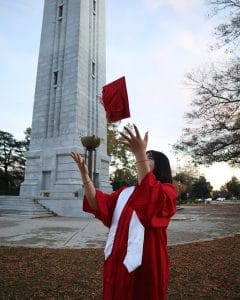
135 142
80 163
138 146
89 188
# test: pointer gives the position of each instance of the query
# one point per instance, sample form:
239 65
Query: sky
153 43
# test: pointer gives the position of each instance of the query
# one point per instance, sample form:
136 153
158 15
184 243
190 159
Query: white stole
133 258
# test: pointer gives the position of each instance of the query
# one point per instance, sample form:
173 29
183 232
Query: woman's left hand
135 142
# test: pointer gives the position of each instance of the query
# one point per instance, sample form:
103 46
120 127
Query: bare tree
229 31
213 134
214 123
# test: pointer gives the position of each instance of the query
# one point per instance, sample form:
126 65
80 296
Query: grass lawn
204 270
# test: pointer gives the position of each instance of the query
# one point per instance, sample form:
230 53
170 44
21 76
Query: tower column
71 73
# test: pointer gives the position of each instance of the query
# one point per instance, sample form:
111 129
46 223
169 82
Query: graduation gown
154 204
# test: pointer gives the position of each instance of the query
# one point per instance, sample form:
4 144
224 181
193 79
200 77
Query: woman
136 260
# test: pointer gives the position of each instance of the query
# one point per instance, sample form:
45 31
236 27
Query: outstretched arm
138 146
89 188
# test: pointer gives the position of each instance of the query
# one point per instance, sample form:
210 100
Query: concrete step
15 211
19 203
33 202
15 198
23 207
19 206
24 216
15 202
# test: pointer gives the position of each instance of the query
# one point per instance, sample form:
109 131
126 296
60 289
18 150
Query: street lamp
91 143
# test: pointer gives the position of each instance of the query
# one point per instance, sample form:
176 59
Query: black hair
162 169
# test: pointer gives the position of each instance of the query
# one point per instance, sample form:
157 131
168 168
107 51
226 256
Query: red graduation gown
155 204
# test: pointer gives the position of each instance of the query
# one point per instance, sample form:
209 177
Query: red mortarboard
115 100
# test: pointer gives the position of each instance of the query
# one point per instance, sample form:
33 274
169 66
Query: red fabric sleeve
106 204
154 202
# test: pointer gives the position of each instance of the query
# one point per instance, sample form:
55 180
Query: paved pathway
191 224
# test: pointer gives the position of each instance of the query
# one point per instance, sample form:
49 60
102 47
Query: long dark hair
162 169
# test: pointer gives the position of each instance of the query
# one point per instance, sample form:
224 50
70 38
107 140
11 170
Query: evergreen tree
201 188
233 187
12 162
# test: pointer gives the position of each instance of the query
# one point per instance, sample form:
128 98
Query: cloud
219 173
155 75
19 42
17 81
155 92
176 5
22 7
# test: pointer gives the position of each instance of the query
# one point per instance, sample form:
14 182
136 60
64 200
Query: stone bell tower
70 76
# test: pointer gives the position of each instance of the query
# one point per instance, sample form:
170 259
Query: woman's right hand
80 162
89 188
